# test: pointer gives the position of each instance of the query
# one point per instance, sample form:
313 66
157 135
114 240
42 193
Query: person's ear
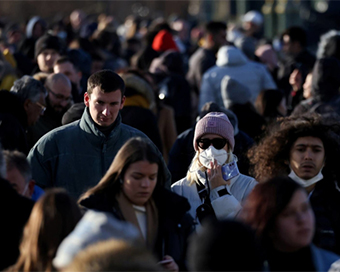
122 102
86 99
27 104
31 185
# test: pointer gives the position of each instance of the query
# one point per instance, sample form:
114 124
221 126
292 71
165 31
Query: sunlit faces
46 60
307 86
140 181
67 68
307 157
59 95
104 107
294 226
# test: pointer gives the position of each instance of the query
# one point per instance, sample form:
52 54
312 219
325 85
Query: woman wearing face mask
132 190
213 185
280 212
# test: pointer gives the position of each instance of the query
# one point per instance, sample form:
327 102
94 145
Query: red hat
164 41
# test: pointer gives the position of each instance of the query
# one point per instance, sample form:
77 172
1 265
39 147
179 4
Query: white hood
230 56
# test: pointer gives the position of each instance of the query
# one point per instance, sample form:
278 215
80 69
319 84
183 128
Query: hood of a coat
326 80
230 56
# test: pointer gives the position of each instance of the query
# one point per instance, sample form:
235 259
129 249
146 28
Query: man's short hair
107 80
214 27
296 34
28 88
16 159
65 59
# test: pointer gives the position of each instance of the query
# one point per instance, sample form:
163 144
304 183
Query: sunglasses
218 143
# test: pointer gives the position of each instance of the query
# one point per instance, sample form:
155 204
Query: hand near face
169 264
215 175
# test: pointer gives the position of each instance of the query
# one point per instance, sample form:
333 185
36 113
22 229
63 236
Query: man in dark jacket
76 156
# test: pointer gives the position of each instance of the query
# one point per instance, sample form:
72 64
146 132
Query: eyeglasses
218 143
43 108
60 96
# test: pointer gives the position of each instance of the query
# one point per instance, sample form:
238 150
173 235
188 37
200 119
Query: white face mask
306 182
211 154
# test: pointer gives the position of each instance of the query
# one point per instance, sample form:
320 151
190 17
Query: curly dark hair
270 157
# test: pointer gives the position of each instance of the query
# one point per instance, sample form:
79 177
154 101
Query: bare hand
169 264
215 175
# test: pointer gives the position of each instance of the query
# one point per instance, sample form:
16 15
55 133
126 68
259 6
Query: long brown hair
134 150
53 217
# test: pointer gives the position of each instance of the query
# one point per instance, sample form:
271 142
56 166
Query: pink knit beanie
216 123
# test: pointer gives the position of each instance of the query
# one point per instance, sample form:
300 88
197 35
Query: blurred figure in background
280 213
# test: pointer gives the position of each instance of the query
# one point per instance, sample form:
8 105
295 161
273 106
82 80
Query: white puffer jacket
226 206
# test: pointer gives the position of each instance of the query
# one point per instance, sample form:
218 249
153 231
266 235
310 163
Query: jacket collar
87 124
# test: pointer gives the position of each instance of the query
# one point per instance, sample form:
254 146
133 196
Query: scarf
129 215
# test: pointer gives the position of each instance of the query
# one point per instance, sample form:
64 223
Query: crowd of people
160 145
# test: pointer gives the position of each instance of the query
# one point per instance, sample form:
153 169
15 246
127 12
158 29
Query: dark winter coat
175 224
13 122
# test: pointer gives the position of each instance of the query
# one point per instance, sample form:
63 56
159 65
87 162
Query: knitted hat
216 123
48 42
164 41
234 92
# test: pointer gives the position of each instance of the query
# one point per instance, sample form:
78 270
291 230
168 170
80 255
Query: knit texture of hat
48 42
164 41
215 123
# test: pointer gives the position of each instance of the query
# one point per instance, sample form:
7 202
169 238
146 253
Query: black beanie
48 42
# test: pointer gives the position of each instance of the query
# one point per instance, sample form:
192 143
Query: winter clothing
13 122
215 123
164 41
174 223
234 92
50 120
93 227
199 63
232 62
310 258
137 108
325 88
48 42
325 203
15 211
304 61
226 206
249 120
76 156
173 87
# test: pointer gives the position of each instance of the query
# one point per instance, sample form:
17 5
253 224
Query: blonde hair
113 255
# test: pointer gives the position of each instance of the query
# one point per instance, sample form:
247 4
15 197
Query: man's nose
308 154
64 103
106 111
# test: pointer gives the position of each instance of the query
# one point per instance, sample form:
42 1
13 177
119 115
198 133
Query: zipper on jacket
104 147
